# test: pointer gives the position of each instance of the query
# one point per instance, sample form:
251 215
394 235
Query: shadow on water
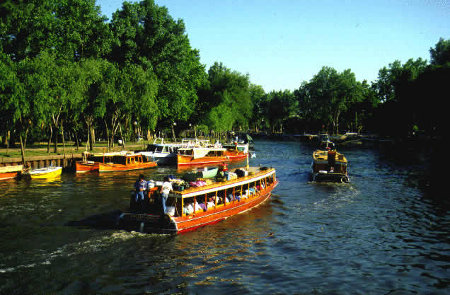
106 220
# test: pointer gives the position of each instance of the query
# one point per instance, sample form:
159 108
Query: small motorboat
46 172
329 165
8 172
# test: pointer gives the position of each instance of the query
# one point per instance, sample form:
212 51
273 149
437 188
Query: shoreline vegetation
69 74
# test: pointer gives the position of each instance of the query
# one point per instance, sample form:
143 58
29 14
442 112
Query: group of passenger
140 201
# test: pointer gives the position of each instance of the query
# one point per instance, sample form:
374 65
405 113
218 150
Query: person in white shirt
165 190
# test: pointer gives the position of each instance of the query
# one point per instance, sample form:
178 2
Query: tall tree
147 35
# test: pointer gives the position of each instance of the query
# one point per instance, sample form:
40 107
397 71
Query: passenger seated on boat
210 205
188 209
202 206
232 198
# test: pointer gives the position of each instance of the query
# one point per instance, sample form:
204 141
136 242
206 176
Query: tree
440 54
328 95
147 35
71 29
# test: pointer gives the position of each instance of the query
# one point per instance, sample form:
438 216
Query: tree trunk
49 139
62 138
55 147
22 149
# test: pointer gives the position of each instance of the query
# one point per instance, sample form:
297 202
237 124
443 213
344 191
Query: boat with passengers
204 202
328 164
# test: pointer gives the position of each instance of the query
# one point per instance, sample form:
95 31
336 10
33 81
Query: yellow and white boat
46 172
329 165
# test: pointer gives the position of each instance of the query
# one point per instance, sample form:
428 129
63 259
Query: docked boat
8 172
237 152
162 153
46 172
202 204
89 163
192 156
124 162
329 165
214 155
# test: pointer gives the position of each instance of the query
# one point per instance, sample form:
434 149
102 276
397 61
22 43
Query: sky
282 43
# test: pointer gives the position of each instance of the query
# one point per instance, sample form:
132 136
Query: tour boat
124 162
46 172
8 172
202 203
329 165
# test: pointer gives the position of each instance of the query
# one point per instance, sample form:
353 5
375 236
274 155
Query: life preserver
344 179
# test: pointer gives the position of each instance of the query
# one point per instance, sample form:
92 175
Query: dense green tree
328 95
72 29
227 101
440 54
147 35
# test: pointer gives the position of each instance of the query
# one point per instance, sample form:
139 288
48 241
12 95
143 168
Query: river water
383 233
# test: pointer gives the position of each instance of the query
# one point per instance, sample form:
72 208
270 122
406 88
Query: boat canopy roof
258 174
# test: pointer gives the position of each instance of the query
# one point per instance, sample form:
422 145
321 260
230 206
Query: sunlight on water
379 234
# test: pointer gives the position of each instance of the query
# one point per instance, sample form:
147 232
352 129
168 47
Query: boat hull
185 161
113 167
9 172
45 173
153 223
86 166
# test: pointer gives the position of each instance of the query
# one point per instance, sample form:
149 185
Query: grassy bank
40 149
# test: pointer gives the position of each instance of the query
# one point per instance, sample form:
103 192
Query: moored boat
329 165
124 162
89 163
8 172
162 153
46 172
194 156
201 205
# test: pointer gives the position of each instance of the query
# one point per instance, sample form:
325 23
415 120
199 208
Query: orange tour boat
124 162
200 203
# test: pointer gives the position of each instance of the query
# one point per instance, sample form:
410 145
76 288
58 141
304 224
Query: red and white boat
197 206
203 156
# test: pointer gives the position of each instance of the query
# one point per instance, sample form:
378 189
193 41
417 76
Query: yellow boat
329 165
46 172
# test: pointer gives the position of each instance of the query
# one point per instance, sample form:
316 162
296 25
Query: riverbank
36 155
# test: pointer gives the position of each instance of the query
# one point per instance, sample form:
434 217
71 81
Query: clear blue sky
281 43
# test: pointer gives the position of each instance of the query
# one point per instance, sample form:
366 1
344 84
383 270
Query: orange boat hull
83 167
164 224
189 223
112 167
8 175
183 160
